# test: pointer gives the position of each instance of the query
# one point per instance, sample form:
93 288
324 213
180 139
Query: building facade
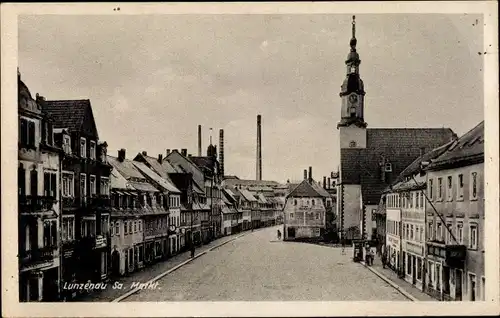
455 220
85 191
39 214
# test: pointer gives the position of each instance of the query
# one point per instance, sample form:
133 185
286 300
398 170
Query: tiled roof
247 195
166 183
469 146
320 190
262 198
129 171
249 183
399 146
305 189
203 162
117 180
67 113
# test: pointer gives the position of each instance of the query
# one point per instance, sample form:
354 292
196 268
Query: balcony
32 204
453 255
100 201
32 258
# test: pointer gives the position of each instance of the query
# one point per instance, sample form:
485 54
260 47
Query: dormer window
92 150
67 144
83 147
388 167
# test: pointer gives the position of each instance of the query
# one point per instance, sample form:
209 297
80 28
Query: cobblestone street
257 267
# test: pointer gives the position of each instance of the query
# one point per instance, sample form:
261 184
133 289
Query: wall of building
307 219
465 211
352 133
352 210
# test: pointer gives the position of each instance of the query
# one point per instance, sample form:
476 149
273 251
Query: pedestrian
372 256
384 258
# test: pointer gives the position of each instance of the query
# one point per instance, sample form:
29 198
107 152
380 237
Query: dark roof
204 162
467 149
67 113
305 189
248 183
399 146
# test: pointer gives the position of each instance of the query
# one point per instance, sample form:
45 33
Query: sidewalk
401 285
150 272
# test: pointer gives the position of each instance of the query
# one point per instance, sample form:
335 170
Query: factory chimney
324 182
259 149
221 151
305 174
329 183
199 141
310 175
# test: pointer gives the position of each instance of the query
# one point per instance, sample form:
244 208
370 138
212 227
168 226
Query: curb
390 282
176 267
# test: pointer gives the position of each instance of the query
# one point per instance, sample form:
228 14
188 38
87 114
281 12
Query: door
291 232
458 284
414 269
115 263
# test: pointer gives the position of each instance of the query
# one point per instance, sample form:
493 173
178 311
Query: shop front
413 254
393 245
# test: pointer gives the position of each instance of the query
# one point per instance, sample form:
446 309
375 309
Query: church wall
352 210
352 133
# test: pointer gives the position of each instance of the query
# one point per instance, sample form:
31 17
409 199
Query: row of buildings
86 215
419 191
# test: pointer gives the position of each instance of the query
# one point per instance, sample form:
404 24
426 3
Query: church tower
352 126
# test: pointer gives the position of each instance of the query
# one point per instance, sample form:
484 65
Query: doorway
115 263
291 232
458 284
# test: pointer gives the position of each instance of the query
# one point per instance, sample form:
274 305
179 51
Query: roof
131 174
260 189
320 190
262 199
399 146
247 195
117 180
468 147
68 113
248 183
163 182
305 189
204 162
229 195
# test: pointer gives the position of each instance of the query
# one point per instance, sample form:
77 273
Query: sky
152 79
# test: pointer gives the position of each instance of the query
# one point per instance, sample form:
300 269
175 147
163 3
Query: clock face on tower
353 99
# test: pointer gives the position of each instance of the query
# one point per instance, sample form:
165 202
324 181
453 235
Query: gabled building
251 203
371 158
157 173
304 213
86 186
455 220
39 211
243 206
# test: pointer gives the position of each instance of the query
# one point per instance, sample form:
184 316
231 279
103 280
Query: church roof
398 146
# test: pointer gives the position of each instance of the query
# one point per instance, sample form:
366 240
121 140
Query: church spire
353 39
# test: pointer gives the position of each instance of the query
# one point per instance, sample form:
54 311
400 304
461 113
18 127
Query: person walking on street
384 258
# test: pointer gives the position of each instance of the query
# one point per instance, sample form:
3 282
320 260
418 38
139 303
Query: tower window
353 69
352 144
388 167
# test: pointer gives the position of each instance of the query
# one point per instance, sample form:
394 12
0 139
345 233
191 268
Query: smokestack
160 158
221 151
310 174
324 182
199 140
145 153
184 152
329 183
305 174
259 149
168 152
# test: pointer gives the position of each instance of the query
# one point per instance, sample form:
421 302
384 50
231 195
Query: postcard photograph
253 157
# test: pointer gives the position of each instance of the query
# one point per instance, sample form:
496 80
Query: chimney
324 182
144 153
305 174
160 158
259 149
190 155
121 155
221 151
184 152
199 141
329 183
168 152
310 174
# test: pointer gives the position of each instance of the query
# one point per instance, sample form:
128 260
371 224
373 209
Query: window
83 147
125 227
419 269
449 190
312 202
417 233
117 228
130 227
294 202
67 144
49 233
388 167
83 186
104 186
472 287
473 186
411 232
291 215
140 225
49 184
431 232
460 232
448 233
92 149
112 228
422 200
460 187
417 205
27 132
67 184
431 189
439 231
440 189
473 236
135 226
92 185
68 229
352 144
